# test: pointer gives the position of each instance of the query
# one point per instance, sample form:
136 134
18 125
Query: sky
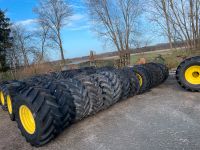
78 38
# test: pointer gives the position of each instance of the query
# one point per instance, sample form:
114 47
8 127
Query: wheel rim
9 104
2 98
140 79
27 119
192 75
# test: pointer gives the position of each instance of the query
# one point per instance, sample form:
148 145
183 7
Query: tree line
117 22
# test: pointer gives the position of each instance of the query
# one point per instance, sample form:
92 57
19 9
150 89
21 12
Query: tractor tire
37 115
134 82
115 83
63 98
14 89
94 93
3 94
3 90
150 74
80 97
72 73
143 77
124 81
110 85
188 74
165 71
157 74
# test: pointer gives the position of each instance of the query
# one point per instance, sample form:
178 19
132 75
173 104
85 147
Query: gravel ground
167 117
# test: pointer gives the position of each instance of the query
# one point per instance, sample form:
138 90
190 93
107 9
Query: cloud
26 22
79 28
77 17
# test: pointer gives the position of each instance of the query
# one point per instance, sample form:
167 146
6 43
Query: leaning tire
188 74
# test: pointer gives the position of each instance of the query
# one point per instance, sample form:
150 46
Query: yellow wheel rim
2 98
192 75
140 79
9 104
27 119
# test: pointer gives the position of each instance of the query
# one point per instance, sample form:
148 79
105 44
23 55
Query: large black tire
144 78
63 97
188 74
110 85
158 75
150 74
134 82
125 82
14 89
44 113
3 91
165 71
71 73
115 83
94 93
80 95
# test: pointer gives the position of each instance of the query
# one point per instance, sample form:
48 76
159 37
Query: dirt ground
165 118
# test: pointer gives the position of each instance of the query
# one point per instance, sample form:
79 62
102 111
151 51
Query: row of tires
43 106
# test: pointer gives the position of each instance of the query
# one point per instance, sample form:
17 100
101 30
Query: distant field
172 57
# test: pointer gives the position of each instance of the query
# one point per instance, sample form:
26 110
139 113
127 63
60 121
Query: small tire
188 74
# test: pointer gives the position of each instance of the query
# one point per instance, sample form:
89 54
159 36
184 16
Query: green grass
171 58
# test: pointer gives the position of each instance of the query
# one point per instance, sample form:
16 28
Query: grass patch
172 58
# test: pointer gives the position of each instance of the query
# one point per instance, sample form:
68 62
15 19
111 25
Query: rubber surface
180 74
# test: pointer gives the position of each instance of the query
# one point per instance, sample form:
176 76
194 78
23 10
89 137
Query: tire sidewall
182 74
30 138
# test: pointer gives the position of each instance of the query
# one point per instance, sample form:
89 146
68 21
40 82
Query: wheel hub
9 104
140 79
27 119
2 98
192 75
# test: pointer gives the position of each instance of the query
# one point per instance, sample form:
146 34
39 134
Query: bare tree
179 20
54 14
23 45
45 43
115 20
44 37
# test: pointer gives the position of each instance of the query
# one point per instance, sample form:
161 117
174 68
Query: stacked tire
43 106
